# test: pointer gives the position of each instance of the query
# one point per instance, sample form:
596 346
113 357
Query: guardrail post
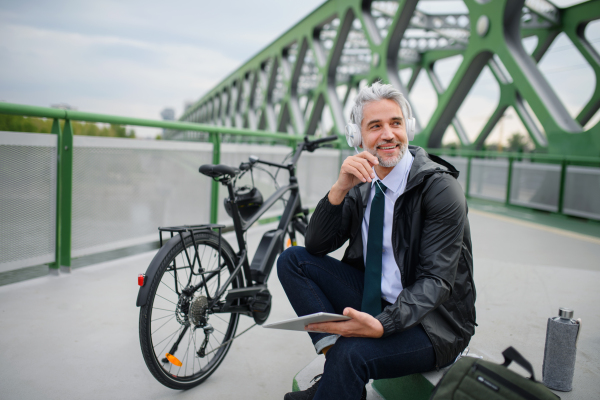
468 177
215 138
509 180
64 185
561 190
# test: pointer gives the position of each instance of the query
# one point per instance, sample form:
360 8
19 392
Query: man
408 266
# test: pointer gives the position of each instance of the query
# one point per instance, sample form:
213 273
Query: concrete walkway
76 336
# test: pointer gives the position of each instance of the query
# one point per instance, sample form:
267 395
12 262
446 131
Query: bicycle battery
269 247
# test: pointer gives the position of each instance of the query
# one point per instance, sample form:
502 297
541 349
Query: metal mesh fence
488 179
124 189
535 185
27 199
234 154
460 163
316 173
582 192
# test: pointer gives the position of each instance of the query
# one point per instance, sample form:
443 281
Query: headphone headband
354 136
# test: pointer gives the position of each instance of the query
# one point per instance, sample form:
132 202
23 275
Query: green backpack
474 379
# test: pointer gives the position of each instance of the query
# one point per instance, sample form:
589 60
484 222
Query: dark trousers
324 284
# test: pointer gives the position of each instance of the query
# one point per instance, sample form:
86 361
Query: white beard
390 162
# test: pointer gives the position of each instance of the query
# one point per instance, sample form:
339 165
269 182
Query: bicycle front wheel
182 341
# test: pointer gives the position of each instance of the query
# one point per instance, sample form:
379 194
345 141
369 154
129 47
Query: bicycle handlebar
312 145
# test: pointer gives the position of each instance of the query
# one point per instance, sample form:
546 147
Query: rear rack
188 228
192 229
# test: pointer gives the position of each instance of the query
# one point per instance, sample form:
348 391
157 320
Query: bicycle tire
164 301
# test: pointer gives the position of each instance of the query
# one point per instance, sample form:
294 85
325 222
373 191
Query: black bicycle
196 287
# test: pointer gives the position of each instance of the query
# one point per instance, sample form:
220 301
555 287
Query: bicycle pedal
260 306
261 301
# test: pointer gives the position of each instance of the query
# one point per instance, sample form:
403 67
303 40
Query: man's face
383 132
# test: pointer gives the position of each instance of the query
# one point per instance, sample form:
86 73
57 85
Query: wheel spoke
166 316
163 326
168 287
160 327
164 298
162 309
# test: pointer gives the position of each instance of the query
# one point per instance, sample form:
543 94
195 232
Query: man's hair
376 92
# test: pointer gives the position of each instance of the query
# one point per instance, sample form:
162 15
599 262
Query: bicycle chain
230 340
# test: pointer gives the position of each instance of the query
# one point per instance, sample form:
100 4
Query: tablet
298 324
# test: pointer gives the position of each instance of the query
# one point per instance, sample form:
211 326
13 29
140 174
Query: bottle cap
566 313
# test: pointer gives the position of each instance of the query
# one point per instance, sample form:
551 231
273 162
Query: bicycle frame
270 246
292 207
197 274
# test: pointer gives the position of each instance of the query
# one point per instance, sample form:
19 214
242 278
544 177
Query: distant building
64 106
168 114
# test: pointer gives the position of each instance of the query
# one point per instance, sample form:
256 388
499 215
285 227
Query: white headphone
354 137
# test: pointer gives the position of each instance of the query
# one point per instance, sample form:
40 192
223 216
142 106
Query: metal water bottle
560 351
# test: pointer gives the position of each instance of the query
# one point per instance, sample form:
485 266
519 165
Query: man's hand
361 325
355 169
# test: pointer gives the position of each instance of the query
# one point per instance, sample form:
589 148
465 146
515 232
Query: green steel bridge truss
301 83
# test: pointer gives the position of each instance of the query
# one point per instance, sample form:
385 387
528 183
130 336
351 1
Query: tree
518 142
19 123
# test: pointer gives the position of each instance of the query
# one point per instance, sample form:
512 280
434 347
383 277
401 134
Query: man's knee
346 354
289 260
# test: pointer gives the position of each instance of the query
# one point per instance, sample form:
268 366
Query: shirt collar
394 179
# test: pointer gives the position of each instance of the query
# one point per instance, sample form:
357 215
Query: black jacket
432 246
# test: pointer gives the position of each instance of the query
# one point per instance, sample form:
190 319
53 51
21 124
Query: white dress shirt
395 181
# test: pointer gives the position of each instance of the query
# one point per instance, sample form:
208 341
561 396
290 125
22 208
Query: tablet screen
298 323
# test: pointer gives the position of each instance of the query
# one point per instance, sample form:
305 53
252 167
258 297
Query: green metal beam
345 42
45 112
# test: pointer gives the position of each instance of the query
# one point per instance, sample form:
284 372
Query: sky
135 58
131 58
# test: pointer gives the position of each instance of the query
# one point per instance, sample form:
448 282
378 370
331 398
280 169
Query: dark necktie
371 301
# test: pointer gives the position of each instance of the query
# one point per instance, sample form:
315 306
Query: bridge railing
560 184
65 196
47 180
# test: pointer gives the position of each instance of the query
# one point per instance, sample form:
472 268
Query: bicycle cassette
197 313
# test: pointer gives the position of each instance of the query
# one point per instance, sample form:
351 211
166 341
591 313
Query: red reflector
141 279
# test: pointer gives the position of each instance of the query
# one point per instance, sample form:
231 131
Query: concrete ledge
414 387
302 380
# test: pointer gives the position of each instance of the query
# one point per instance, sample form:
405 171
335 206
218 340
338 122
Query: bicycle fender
144 291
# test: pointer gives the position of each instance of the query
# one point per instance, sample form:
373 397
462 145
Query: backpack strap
510 354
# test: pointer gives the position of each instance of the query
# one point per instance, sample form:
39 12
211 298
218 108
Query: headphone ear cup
353 136
410 128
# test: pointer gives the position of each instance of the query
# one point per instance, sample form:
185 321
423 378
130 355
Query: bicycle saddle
215 171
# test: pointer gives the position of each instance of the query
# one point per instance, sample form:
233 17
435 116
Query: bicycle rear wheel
178 354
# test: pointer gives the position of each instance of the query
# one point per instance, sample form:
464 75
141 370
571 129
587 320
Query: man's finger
363 165
359 168
372 159
352 170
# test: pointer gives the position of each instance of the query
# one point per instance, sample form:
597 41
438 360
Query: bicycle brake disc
197 313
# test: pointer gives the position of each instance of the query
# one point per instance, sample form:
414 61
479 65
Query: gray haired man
406 278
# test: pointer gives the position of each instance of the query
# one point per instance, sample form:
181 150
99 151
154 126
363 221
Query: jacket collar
424 164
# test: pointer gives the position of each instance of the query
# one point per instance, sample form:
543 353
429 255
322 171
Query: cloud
104 74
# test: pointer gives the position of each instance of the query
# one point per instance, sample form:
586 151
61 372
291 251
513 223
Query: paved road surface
76 336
